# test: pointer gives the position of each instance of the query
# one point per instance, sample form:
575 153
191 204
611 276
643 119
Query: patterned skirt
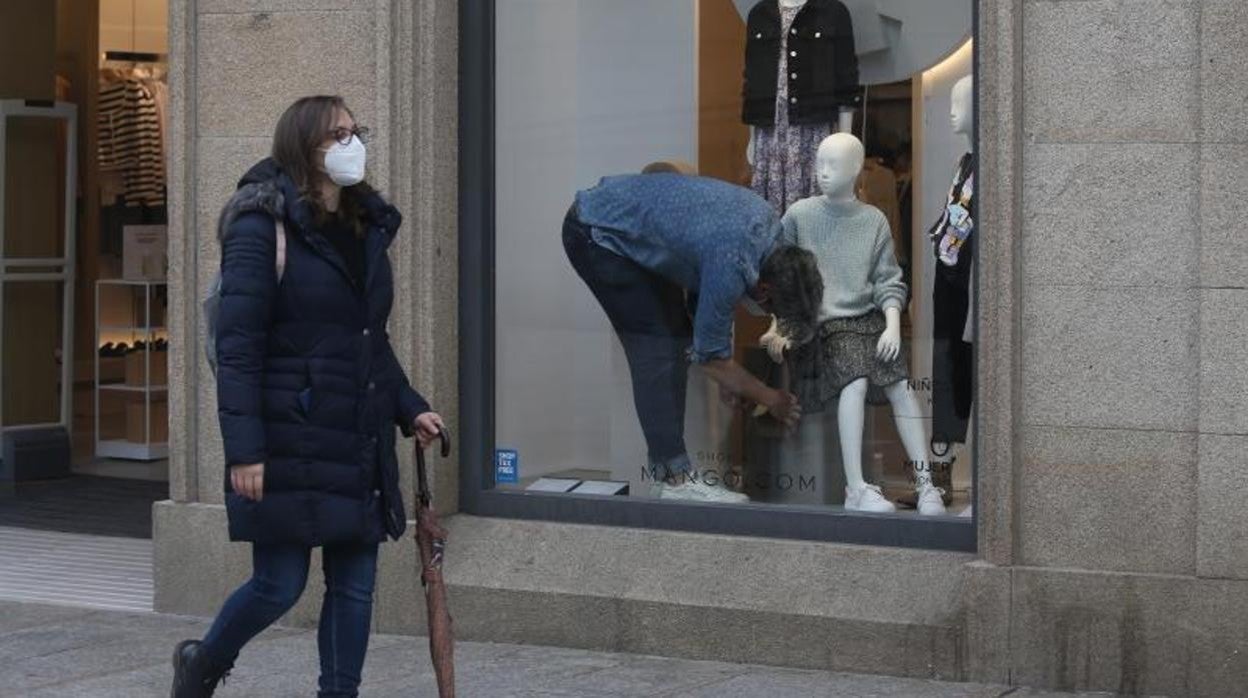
843 351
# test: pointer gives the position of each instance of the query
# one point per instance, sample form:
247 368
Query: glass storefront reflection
734 251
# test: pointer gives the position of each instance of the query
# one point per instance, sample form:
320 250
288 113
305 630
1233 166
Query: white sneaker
701 492
931 501
867 498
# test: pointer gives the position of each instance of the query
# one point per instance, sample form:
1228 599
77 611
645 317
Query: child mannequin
858 344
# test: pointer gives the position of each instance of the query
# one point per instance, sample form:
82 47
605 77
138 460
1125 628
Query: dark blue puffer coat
307 382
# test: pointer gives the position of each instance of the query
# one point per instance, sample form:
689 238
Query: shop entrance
83 298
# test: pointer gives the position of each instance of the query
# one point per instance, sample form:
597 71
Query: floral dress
784 154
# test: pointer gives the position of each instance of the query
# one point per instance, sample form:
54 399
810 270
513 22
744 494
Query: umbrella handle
445 437
422 476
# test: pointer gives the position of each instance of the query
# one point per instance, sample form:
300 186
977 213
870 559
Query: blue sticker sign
506 467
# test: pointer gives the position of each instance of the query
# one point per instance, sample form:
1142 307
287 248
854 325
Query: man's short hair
670 167
795 291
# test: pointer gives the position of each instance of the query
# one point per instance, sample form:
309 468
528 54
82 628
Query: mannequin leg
850 418
944 453
909 419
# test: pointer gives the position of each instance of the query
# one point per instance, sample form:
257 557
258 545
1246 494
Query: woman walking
309 393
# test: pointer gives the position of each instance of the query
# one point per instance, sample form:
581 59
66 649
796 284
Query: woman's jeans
651 317
279 573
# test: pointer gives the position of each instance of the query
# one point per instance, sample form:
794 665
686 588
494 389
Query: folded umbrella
431 541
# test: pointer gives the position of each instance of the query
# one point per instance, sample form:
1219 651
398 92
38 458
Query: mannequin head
838 164
962 112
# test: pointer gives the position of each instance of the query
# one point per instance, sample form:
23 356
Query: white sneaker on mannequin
867 498
931 501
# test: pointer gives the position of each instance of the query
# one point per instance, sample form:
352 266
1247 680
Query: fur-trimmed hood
258 192
266 189
258 197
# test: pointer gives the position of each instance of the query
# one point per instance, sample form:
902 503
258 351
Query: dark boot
194 674
942 477
941 474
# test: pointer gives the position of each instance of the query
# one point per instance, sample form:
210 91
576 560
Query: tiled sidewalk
107 573
64 652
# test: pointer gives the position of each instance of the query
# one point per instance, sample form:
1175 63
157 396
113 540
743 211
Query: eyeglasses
343 135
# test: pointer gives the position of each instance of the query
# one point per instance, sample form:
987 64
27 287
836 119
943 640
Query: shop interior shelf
133 282
122 387
131 328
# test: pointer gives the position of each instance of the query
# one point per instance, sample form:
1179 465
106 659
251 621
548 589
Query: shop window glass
652 161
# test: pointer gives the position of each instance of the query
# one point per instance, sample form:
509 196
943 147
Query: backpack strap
280 257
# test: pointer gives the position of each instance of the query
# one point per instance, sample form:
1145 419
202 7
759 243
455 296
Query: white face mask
345 163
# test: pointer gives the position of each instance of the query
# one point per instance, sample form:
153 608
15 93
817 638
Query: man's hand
248 480
732 377
428 426
735 401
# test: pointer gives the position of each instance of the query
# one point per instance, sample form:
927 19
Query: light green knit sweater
854 247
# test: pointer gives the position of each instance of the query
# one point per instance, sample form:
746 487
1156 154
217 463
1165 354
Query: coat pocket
305 400
306 394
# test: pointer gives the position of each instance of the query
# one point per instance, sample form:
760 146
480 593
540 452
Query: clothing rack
132 123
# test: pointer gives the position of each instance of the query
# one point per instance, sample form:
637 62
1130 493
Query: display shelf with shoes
130 324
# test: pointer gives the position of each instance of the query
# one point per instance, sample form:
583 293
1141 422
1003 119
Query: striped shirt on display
131 140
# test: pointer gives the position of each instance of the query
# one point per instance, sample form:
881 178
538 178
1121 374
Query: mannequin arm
968 330
889 345
892 317
774 342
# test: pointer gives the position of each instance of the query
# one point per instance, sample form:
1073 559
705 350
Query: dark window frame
476 370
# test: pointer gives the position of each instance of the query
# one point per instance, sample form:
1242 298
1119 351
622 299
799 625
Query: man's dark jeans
279 573
650 316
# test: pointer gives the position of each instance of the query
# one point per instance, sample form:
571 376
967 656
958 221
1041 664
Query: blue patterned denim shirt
706 235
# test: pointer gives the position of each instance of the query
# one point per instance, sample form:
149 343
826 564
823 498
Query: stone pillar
235 65
1128 519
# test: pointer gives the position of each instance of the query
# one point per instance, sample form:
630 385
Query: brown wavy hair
795 291
299 133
